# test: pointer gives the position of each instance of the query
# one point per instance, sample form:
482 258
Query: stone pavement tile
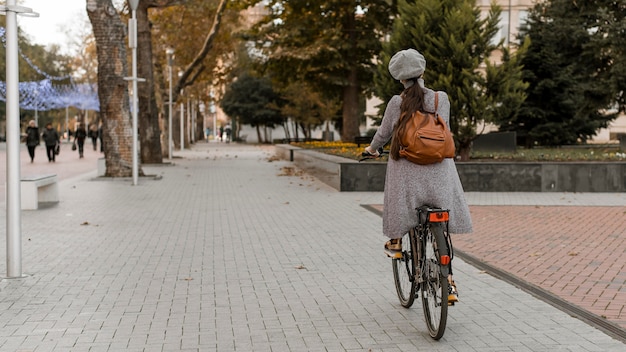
220 253
67 164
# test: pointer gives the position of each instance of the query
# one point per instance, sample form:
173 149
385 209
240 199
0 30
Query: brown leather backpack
426 138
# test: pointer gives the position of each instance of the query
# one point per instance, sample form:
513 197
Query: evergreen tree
457 45
327 44
573 71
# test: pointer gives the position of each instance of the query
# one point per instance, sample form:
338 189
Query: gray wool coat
409 186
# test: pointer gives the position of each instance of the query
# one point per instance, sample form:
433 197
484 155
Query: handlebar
366 155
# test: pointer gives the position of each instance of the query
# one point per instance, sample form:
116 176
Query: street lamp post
13 192
132 43
182 117
182 126
170 58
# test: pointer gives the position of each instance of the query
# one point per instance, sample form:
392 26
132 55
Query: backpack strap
436 101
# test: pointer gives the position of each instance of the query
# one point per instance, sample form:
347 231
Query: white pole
182 126
169 124
203 112
189 120
214 113
13 195
133 46
67 122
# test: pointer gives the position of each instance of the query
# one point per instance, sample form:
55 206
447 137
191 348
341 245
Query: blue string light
45 95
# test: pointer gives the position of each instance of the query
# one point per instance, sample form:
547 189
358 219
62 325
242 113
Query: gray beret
407 64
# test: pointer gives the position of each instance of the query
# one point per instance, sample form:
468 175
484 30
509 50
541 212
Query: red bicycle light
440 216
445 260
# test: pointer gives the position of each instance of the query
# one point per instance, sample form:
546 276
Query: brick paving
575 252
229 249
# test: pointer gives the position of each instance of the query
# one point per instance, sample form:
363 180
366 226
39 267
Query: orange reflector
445 259
440 216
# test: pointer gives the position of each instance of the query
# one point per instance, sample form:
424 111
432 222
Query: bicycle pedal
393 254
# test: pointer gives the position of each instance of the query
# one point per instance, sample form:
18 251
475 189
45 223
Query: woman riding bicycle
409 185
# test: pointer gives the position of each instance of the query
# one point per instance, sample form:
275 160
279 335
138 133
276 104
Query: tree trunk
350 128
258 134
200 123
464 151
110 35
148 115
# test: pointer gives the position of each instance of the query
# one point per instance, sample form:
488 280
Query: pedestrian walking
227 132
93 134
79 139
52 141
32 139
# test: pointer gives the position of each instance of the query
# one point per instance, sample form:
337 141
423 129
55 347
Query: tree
151 151
148 116
574 66
307 108
252 101
457 45
110 35
179 24
331 43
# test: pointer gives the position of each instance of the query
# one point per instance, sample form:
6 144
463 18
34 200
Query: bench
362 140
38 188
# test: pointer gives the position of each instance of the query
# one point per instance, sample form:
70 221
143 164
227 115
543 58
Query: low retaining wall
350 175
543 176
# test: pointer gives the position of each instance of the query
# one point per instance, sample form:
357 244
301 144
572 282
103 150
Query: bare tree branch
188 76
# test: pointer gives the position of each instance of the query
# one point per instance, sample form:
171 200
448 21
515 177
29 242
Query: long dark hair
412 101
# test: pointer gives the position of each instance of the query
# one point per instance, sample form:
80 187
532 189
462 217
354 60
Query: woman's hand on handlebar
369 152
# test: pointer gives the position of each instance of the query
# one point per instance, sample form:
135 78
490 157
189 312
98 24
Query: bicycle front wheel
434 286
404 271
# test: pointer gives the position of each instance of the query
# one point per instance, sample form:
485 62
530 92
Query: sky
54 16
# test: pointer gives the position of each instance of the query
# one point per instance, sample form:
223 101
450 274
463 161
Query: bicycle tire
404 271
434 284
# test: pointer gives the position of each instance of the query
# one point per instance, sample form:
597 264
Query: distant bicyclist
409 185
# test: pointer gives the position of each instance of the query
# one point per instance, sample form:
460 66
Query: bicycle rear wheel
434 287
404 271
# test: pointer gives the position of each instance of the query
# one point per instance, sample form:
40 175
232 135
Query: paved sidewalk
67 164
229 249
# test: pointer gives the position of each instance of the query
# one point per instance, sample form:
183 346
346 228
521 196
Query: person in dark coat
32 139
51 139
93 134
79 138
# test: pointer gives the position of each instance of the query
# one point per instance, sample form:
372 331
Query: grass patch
565 154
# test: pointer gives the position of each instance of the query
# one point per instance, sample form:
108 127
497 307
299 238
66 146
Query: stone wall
350 175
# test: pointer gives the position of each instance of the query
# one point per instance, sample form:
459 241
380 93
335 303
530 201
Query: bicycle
429 245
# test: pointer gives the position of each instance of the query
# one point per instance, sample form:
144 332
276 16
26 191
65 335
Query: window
503 29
